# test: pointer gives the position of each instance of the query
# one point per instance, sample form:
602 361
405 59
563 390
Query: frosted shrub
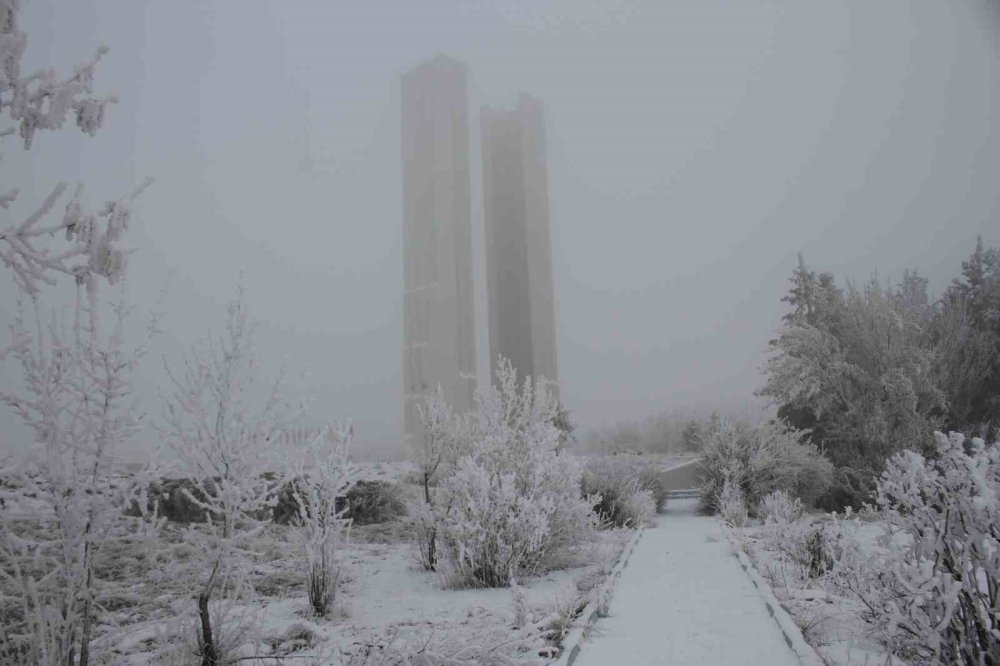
780 507
624 500
519 604
933 590
322 477
653 480
512 501
495 526
443 438
732 507
762 458
639 507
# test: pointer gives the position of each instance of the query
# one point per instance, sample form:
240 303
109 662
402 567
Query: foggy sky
694 147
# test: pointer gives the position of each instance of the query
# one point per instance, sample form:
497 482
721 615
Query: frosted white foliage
220 437
732 506
624 502
42 100
758 460
780 507
444 437
512 500
77 398
76 393
322 473
640 506
933 590
227 444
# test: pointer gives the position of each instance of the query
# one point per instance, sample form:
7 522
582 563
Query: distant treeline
670 431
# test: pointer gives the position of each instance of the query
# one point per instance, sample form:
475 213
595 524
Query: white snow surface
683 599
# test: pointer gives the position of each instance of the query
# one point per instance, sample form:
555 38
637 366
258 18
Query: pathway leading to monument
683 599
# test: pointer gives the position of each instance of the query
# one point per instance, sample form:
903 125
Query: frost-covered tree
812 296
78 401
227 444
859 379
76 395
967 343
321 474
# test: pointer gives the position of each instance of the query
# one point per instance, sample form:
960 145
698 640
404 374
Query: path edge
790 631
589 615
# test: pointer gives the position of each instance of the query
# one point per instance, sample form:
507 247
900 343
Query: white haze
694 148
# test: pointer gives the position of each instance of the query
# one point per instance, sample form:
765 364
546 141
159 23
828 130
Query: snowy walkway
683 599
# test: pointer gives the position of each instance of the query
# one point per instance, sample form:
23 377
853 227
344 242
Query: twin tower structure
439 346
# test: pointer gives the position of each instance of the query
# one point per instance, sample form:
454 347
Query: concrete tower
438 318
518 248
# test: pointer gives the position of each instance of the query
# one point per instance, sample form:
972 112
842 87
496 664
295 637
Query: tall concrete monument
438 318
522 316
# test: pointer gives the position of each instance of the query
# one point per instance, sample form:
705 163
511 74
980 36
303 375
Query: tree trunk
209 651
209 656
432 538
85 638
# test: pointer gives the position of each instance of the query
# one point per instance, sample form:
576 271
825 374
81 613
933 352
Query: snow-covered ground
683 599
386 599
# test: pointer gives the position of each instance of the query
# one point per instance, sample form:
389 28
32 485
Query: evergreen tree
966 339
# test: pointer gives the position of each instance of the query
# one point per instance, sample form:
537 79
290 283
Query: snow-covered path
683 599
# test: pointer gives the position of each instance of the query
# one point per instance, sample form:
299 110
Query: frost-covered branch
43 100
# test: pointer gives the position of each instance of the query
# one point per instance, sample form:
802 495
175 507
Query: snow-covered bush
732 506
226 445
806 549
512 500
624 500
760 459
323 476
443 438
780 507
652 479
933 589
